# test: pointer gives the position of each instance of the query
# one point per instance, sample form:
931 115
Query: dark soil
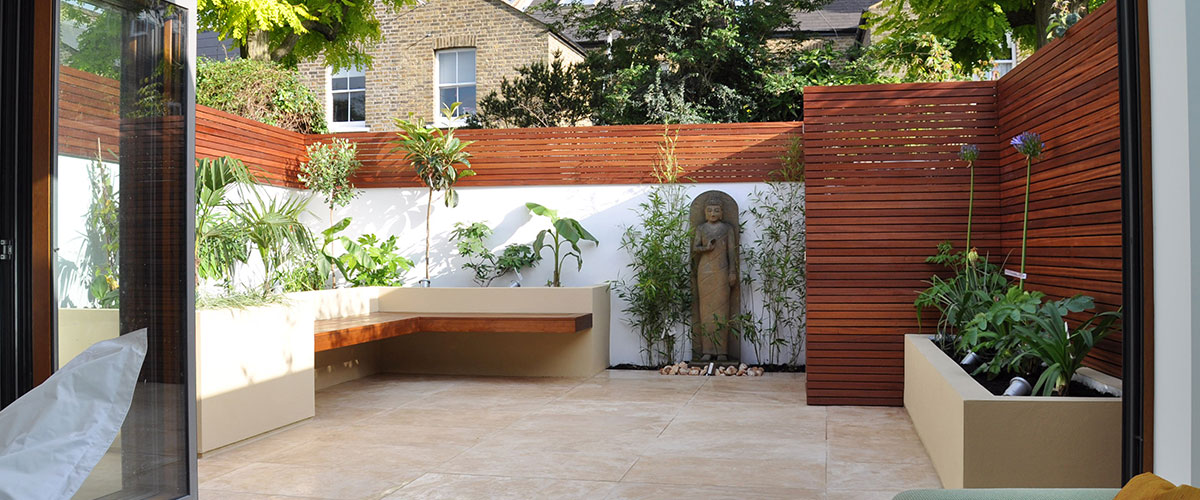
998 384
766 368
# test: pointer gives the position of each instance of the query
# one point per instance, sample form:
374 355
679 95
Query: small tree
434 154
328 171
542 95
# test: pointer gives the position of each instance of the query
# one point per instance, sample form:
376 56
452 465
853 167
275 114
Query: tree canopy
541 95
973 31
691 60
290 31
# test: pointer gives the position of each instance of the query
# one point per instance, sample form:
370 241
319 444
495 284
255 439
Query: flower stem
1025 219
970 203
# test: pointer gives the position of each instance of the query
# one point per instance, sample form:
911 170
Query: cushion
1148 486
1010 494
52 437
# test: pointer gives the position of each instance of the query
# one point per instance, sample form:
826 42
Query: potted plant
435 155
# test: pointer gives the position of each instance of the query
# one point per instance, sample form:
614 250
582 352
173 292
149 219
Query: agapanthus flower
969 153
1029 144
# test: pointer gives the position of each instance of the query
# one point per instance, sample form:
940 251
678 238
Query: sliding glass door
121 224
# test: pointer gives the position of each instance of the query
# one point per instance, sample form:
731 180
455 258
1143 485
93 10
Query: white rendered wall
604 210
72 197
1175 149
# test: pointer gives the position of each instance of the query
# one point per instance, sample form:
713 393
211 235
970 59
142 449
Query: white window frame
438 119
355 126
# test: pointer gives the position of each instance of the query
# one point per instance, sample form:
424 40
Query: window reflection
121 223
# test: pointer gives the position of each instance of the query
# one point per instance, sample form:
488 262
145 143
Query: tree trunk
428 211
1042 9
256 46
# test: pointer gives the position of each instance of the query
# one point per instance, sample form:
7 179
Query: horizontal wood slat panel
885 186
1067 93
622 154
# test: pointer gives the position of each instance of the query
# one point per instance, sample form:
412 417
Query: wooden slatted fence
884 186
625 154
1068 93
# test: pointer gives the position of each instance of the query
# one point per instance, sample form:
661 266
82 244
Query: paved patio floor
618 435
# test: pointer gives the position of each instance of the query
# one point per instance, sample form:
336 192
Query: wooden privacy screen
272 153
624 154
88 106
885 186
1068 94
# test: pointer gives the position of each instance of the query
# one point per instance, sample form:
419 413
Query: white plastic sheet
52 437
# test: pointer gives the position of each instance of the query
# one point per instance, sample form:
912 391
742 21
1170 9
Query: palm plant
273 225
434 155
221 242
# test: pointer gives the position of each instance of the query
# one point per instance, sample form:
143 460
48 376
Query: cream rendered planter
978 440
581 354
254 371
78 329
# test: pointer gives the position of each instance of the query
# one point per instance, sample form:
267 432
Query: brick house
433 54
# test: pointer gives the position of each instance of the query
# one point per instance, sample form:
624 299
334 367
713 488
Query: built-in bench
353 330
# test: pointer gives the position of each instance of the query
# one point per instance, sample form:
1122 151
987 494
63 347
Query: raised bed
978 440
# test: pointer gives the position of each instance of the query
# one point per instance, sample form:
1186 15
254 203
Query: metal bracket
6 249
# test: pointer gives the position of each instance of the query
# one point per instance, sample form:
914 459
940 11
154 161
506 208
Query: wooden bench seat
342 332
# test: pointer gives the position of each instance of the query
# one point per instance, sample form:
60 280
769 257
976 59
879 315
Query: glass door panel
121 224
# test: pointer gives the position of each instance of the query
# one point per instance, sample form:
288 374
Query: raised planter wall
254 371
978 440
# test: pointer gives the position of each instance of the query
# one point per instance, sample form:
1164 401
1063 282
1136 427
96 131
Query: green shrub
259 90
488 266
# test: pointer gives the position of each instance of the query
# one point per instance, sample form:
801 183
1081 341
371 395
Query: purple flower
1029 144
969 153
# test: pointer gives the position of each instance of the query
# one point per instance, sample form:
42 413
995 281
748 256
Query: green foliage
222 241
365 261
919 57
1061 349
99 27
775 268
343 32
273 225
971 31
434 154
261 91
328 171
487 266
659 291
1067 13
975 285
819 66
542 95
990 334
682 61
370 262
562 230
99 262
237 300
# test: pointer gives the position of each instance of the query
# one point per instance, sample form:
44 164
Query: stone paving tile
623 434
307 481
435 486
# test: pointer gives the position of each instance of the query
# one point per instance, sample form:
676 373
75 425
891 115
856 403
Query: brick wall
401 81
